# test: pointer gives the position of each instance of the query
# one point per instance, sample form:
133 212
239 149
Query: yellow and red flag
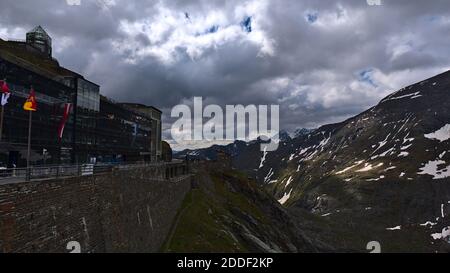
31 104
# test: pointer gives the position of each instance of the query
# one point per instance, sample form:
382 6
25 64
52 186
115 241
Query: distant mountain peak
301 132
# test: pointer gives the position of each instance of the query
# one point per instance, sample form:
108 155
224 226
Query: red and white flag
5 92
62 125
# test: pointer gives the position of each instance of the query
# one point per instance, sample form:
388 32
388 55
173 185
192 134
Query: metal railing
164 170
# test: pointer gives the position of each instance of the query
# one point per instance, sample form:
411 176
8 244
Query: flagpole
1 122
29 145
3 113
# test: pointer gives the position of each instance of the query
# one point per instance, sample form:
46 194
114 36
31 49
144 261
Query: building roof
50 65
39 29
140 105
17 52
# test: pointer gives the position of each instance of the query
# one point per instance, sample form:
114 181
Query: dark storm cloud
322 61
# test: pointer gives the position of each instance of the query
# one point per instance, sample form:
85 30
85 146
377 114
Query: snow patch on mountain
369 167
263 159
432 168
394 228
324 142
303 151
429 223
412 96
285 198
404 148
443 235
269 176
390 168
382 143
388 152
442 134
376 179
351 167
406 139
291 157
289 181
193 153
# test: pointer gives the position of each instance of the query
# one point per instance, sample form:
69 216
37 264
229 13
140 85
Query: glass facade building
52 97
98 129
88 95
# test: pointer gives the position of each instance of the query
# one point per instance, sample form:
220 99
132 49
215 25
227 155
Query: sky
321 61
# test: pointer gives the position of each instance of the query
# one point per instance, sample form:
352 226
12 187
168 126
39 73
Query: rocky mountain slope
387 169
228 212
383 175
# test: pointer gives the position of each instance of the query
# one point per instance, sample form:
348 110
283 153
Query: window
88 96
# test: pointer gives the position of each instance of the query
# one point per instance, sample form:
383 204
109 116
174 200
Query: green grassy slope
229 213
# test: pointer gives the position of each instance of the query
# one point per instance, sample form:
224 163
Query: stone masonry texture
122 211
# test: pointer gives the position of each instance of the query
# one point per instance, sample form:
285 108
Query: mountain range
383 175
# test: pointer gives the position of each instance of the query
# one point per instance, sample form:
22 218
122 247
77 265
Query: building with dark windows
97 130
154 115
